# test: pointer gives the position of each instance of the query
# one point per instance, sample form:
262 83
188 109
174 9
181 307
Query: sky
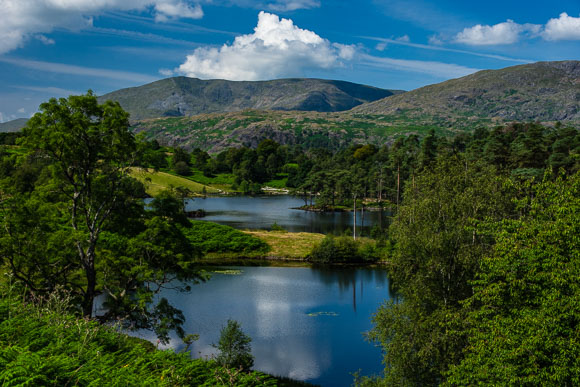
57 48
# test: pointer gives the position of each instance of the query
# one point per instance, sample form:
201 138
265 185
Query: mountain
182 96
14 125
543 91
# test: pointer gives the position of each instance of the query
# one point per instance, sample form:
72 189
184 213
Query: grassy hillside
156 182
216 132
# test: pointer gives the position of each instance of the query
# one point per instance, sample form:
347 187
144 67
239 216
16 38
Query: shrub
234 347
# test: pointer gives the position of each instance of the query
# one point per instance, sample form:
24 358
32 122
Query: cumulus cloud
564 28
25 19
276 48
479 35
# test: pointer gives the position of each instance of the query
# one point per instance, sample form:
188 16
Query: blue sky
54 48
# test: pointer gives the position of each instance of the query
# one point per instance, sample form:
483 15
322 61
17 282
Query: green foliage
344 249
181 168
437 252
234 347
80 223
522 320
41 346
215 238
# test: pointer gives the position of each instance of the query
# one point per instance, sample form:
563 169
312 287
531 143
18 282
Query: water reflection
306 323
262 212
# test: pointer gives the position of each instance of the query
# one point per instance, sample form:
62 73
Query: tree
83 226
90 148
234 347
522 320
437 252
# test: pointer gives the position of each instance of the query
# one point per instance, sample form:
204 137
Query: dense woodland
482 246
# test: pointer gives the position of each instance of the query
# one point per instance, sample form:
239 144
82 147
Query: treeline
367 171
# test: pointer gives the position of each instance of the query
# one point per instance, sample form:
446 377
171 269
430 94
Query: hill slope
544 91
181 96
14 125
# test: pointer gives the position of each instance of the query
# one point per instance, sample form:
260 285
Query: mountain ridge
183 96
545 91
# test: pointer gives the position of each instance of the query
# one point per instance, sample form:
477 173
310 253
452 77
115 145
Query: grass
156 182
279 182
288 245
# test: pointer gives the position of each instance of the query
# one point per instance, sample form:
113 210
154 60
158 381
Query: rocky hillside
181 96
543 91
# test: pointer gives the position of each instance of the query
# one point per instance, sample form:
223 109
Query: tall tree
437 251
522 319
89 147
83 225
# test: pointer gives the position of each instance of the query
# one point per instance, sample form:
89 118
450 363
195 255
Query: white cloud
438 69
61 68
564 28
45 40
382 46
292 5
435 43
166 11
277 48
404 39
503 33
24 19
51 90
435 40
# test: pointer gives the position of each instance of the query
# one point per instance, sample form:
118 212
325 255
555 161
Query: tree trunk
354 220
362 213
398 183
89 296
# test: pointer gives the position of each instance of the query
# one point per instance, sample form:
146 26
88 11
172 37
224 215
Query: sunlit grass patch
288 244
156 182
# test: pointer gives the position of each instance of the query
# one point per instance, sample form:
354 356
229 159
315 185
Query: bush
344 249
182 169
234 346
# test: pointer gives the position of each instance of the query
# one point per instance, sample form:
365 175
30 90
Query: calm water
262 212
306 323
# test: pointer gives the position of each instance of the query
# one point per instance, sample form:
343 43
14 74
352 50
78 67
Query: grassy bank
288 245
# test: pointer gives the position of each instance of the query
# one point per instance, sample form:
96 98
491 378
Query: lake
305 323
261 212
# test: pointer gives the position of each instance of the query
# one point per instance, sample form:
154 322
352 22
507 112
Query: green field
156 182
